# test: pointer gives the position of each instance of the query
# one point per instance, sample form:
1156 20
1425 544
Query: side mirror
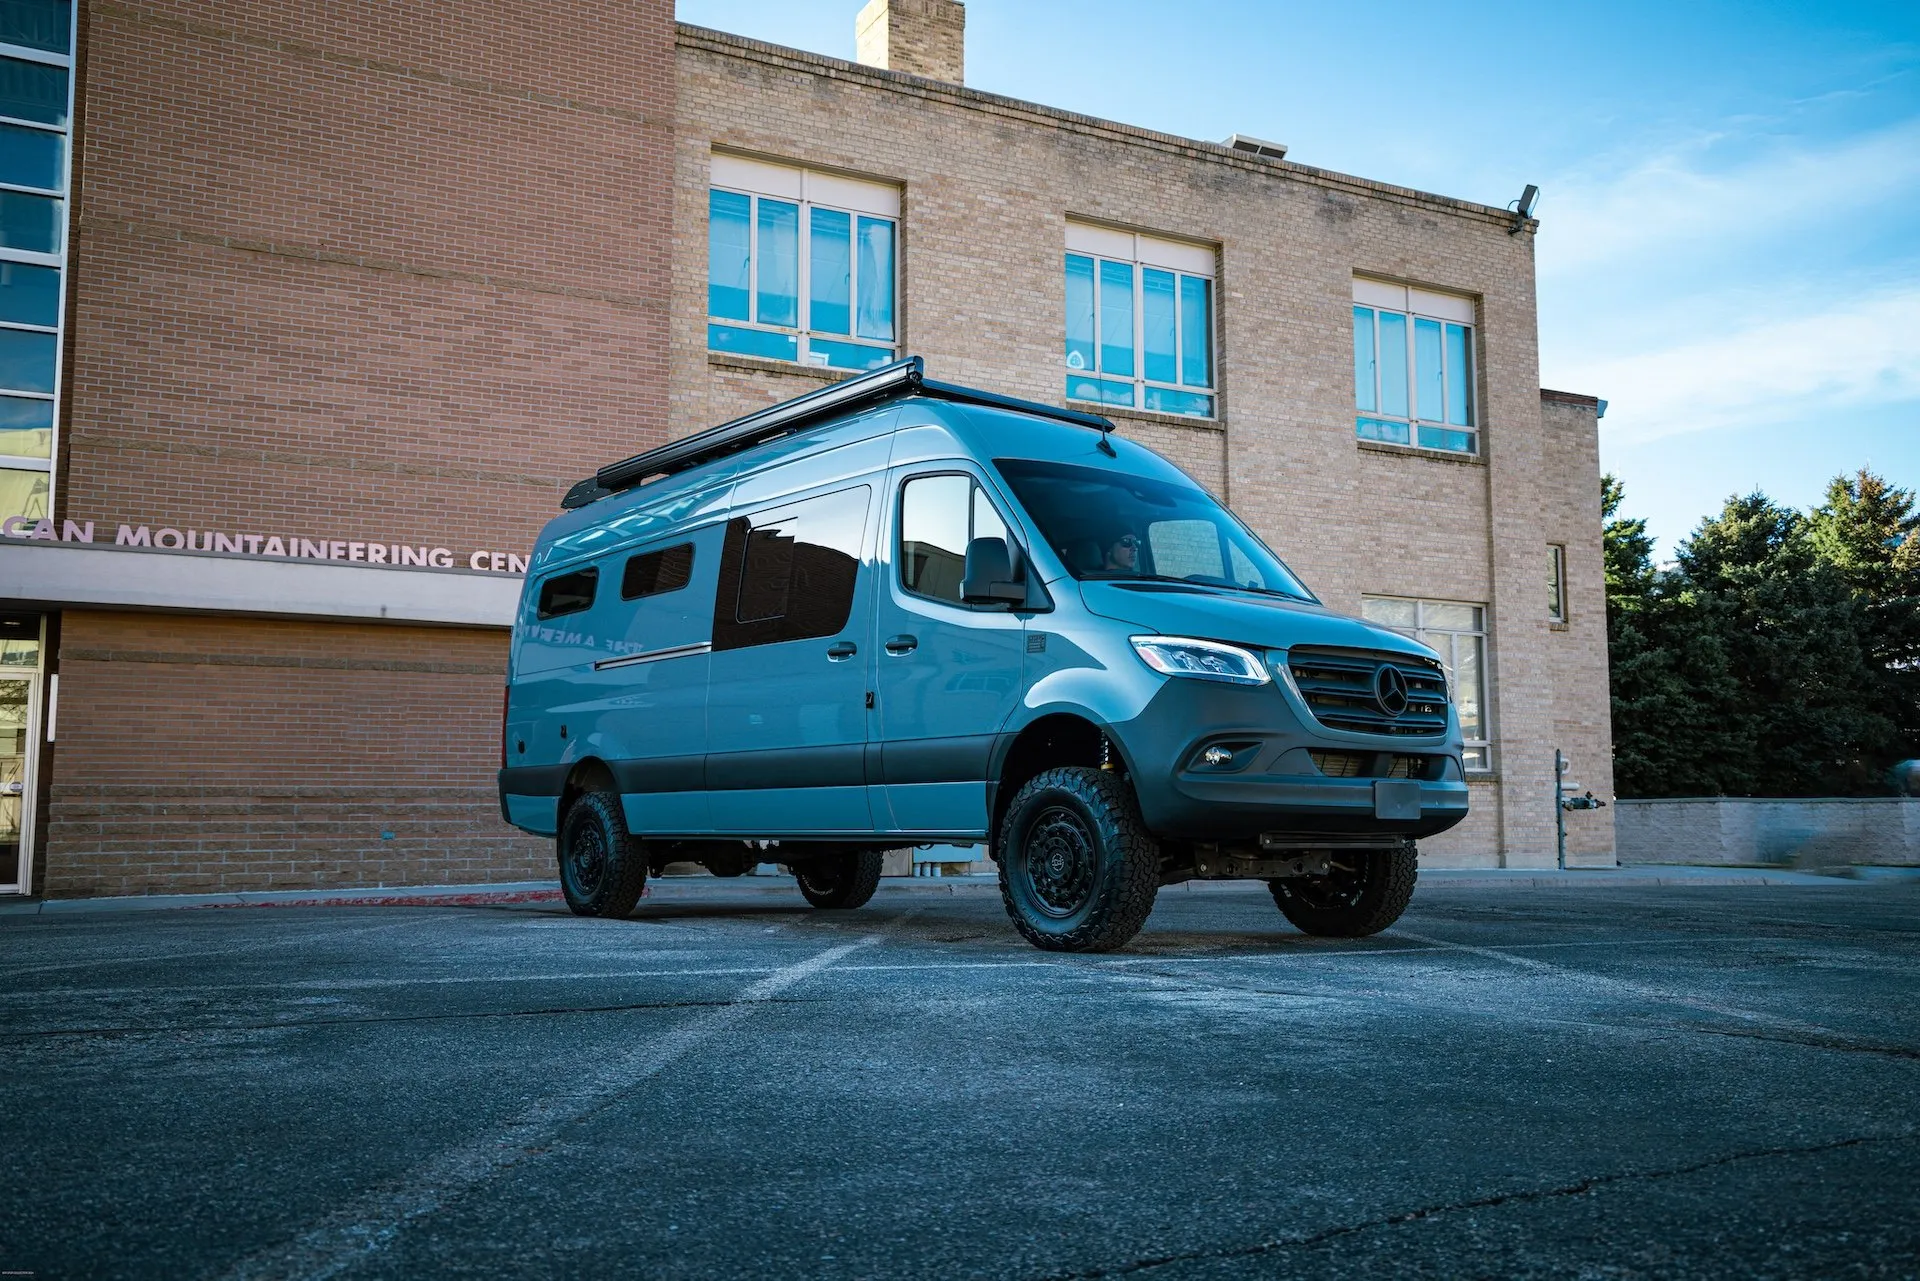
991 578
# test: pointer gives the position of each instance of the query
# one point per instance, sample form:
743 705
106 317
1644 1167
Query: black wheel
602 869
1078 871
843 880
1365 893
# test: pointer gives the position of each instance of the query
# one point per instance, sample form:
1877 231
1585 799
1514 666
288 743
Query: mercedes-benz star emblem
1390 689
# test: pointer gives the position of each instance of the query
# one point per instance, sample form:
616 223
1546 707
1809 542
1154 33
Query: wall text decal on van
272 546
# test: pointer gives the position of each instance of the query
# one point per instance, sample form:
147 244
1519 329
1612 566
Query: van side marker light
902 378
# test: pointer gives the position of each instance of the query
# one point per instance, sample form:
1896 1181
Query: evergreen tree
1802 714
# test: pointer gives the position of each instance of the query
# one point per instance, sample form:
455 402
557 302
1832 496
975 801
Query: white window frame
1477 756
1140 251
809 190
1423 304
58 261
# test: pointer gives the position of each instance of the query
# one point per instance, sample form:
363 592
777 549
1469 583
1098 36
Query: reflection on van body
895 611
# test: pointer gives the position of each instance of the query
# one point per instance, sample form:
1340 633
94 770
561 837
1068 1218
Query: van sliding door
790 669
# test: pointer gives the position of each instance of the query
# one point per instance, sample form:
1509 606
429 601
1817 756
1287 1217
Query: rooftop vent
1258 146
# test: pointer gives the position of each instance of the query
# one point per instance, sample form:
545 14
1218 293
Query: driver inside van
1123 554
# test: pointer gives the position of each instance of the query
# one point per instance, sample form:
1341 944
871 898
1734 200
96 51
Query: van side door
948 673
651 683
790 668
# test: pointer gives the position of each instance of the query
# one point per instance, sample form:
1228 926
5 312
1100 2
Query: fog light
1216 756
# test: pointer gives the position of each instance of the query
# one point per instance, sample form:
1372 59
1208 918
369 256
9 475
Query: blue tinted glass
1459 377
32 222
1196 331
778 301
1393 363
37 24
31 91
1363 362
1439 438
876 279
1079 313
1157 324
830 271
26 427
729 261
1179 402
753 342
847 355
26 360
1374 429
1116 318
29 295
1430 389
1081 387
32 157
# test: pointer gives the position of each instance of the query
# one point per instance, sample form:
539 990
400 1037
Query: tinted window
1111 524
939 515
568 593
790 573
652 573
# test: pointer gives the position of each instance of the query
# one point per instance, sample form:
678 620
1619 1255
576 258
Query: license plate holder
1396 799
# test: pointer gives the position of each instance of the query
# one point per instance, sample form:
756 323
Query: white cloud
1864 351
1675 202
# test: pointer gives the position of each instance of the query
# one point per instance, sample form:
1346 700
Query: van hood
1241 618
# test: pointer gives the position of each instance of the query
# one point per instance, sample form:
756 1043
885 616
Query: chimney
920 37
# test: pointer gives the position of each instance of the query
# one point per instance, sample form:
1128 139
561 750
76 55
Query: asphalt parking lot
1603 1082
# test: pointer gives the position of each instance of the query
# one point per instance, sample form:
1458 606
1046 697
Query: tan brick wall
988 185
918 37
203 754
1582 713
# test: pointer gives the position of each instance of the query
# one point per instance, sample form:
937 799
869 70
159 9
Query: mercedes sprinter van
894 611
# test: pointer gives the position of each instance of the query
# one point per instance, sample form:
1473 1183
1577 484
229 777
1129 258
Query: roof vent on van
902 378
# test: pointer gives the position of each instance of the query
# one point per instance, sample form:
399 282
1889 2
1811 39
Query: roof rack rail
902 378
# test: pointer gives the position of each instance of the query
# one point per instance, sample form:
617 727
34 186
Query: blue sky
1729 249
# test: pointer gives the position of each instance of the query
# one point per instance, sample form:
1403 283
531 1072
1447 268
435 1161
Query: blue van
895 611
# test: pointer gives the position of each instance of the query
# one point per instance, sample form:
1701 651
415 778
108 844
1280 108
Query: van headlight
1205 659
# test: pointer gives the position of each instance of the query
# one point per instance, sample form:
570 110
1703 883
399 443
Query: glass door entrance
20 642
17 749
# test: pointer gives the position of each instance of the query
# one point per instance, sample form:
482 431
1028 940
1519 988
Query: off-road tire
1098 869
603 870
840 881
1366 897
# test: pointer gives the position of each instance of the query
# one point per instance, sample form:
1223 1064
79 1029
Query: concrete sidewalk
719 889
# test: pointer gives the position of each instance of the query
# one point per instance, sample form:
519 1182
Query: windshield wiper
1117 576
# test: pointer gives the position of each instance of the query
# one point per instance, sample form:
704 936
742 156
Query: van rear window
568 593
654 573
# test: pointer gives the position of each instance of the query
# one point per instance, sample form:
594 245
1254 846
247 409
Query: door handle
902 644
840 651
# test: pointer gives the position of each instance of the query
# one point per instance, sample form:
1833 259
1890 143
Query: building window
1557 583
1458 634
801 266
1413 368
36 104
1139 322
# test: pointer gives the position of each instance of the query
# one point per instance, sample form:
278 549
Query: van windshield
1109 525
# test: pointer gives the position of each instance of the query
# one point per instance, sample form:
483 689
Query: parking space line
368 1222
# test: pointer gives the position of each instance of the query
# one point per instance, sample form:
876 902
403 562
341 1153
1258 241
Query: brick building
333 302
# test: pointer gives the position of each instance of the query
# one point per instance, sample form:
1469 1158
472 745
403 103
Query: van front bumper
1271 787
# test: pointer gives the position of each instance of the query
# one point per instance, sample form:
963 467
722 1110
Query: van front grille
1343 689
1338 764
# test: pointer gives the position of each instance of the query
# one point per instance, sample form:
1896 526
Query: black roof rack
889 382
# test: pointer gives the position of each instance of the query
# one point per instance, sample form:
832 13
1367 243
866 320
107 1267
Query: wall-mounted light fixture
1523 209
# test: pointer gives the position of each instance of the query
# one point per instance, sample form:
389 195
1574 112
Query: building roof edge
725 42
